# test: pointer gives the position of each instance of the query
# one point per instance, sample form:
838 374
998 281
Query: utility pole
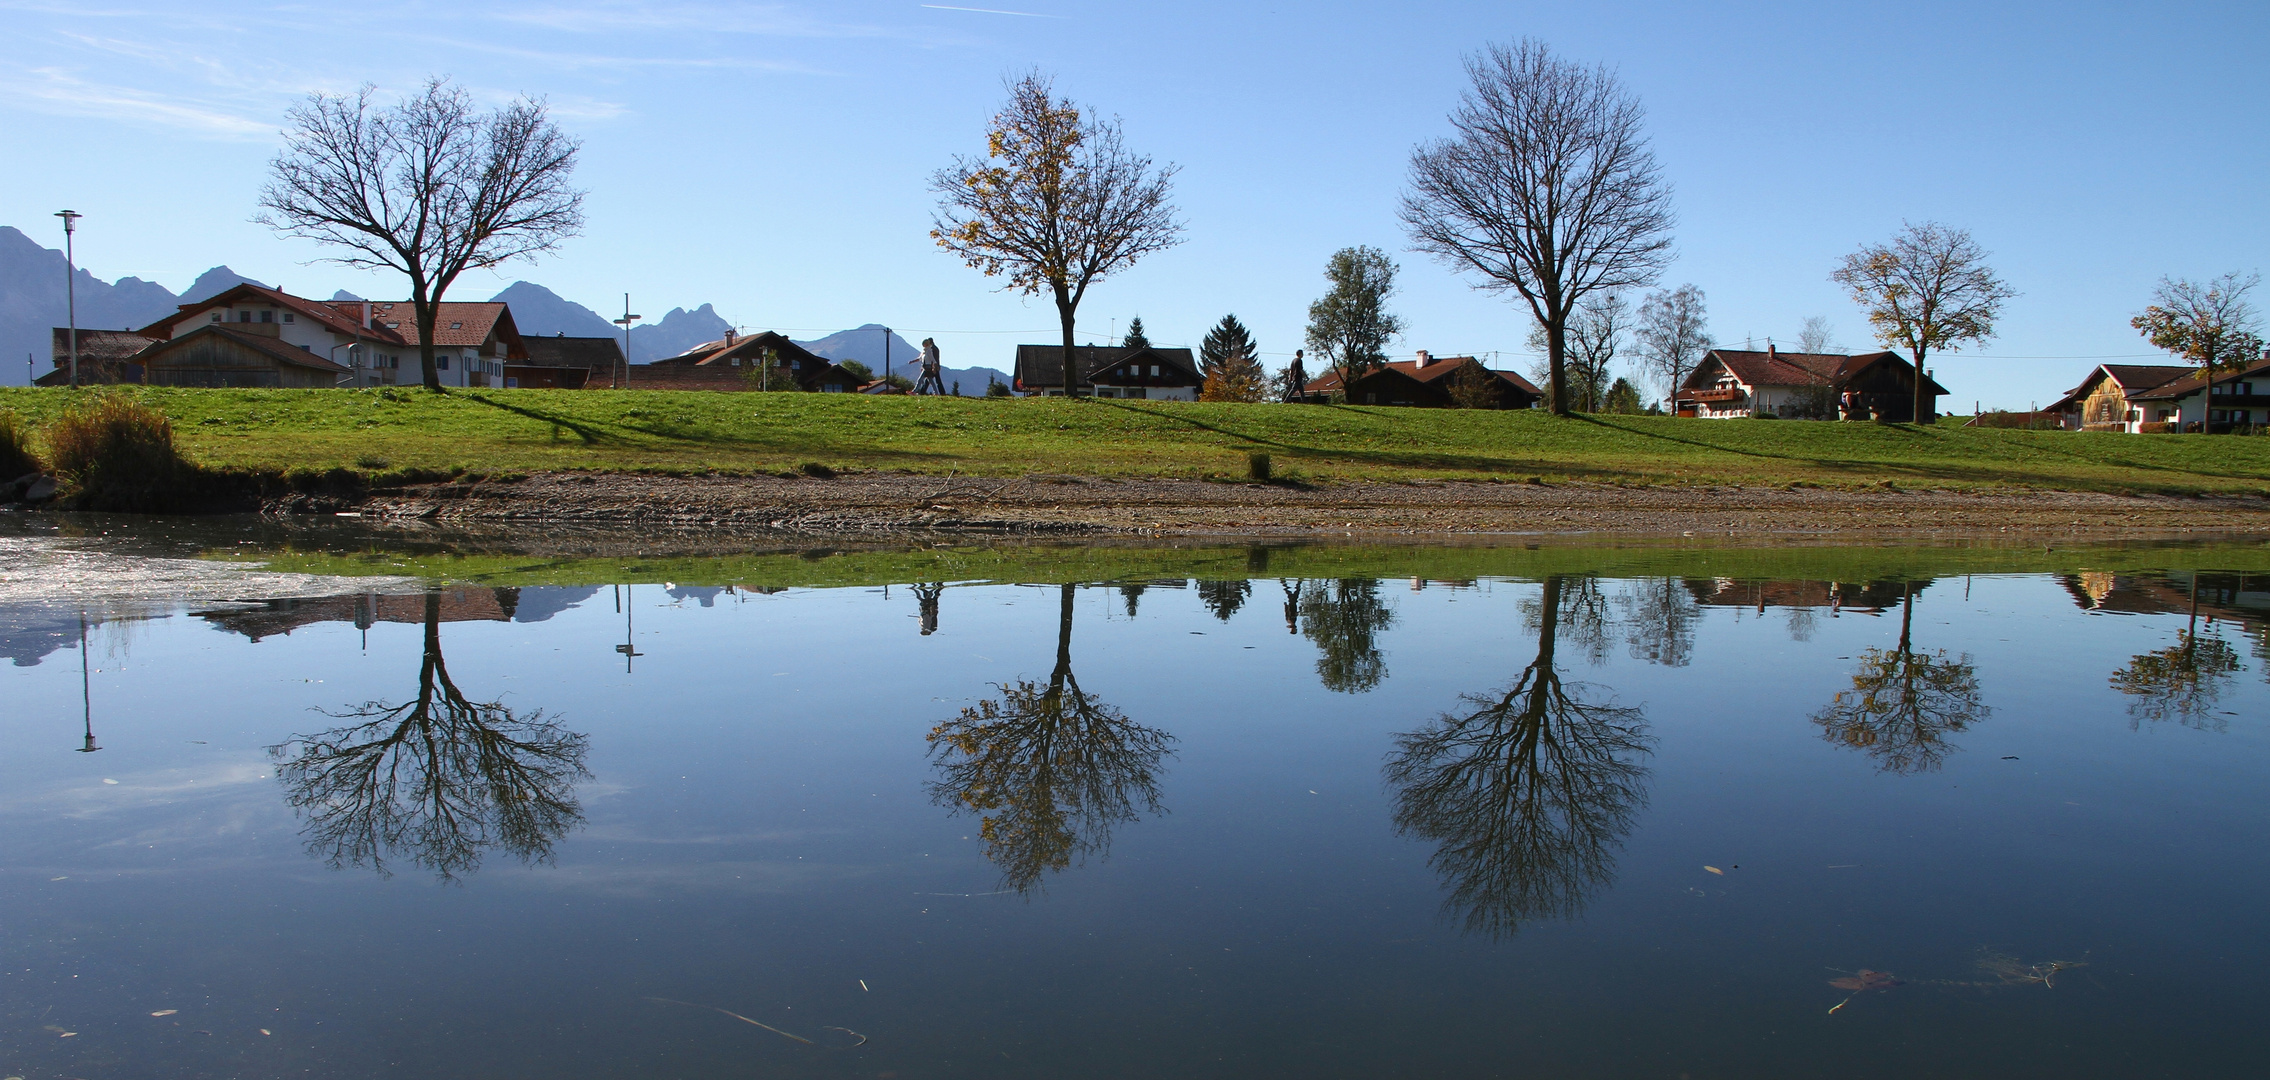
886 354
626 322
71 287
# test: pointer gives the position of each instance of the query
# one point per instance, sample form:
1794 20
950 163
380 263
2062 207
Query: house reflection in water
365 610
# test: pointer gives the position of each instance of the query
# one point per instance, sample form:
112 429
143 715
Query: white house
1736 383
2234 399
376 342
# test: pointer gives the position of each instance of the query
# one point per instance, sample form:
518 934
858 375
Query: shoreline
1071 506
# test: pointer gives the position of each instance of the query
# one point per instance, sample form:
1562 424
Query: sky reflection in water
1561 825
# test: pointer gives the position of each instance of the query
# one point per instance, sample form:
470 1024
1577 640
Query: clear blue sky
771 159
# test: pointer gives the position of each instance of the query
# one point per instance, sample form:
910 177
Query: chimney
1424 359
1771 353
729 335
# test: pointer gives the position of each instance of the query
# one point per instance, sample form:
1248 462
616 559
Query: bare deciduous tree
1930 288
1817 336
2210 324
1548 190
1596 333
1672 337
429 188
1058 202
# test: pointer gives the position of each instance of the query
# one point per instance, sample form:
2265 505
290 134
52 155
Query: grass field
520 431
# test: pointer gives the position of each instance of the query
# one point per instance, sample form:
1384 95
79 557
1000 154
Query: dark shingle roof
588 353
1042 366
2192 381
1436 368
1776 368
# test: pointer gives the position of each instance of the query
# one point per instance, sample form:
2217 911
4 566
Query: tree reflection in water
1527 795
1049 770
2183 682
1344 618
1903 704
437 780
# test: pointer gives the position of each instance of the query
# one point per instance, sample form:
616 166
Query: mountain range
32 301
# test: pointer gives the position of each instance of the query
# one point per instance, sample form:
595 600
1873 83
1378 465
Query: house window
244 316
457 326
1154 371
216 316
287 316
441 363
267 316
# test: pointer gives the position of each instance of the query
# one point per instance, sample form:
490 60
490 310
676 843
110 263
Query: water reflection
439 779
1049 770
1903 704
2183 682
1526 793
1344 618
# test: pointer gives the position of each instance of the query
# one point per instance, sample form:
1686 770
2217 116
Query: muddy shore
1067 505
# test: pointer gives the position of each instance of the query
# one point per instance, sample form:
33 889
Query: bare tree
1930 288
428 188
1598 330
1549 189
1058 202
1349 326
1671 336
1817 336
2210 324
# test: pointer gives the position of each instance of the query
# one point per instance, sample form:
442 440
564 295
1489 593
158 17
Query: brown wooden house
726 364
1426 382
226 355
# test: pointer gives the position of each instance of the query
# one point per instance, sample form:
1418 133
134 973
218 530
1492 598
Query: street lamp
86 691
625 322
70 286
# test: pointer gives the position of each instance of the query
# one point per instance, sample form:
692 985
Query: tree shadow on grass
1402 459
594 435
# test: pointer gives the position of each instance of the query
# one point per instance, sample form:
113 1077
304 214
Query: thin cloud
991 11
52 90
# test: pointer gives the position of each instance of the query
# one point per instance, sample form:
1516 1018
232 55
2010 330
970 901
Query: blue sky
771 158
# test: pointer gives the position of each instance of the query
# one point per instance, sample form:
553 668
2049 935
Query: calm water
1540 822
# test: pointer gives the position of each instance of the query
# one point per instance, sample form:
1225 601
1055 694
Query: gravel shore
1069 505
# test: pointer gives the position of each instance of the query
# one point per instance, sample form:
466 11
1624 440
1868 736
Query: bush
117 454
16 456
997 388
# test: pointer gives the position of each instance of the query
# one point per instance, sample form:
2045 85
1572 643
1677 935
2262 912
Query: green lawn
520 431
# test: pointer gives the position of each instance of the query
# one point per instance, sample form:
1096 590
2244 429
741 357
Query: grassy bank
382 432
479 564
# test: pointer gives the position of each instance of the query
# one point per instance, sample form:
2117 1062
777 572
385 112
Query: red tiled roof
456 325
326 314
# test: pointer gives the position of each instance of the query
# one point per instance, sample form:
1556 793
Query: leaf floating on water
165 1012
1715 870
108 780
265 1031
1865 979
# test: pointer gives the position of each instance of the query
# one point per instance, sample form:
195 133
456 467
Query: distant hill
865 344
32 302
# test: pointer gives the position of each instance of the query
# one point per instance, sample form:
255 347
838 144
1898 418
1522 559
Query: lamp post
626 322
86 691
71 286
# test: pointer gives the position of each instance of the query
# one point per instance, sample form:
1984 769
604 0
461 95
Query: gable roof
1436 369
329 315
2191 382
1042 366
99 345
2133 380
467 325
275 348
724 350
1776 368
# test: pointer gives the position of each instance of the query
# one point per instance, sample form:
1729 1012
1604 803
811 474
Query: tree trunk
1907 614
1916 417
1064 315
1063 648
425 314
1556 358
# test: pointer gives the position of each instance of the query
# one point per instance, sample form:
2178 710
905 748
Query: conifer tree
1135 338
1231 364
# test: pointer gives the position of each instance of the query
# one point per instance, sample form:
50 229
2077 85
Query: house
346 335
219 355
105 356
473 342
726 363
1150 373
566 363
2104 400
2235 399
1426 382
1731 383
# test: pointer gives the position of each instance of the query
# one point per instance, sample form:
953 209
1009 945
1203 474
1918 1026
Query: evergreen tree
1135 338
1231 364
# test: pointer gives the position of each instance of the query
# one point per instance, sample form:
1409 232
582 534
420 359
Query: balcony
1733 394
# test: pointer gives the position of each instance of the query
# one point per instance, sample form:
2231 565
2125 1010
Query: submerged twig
744 1019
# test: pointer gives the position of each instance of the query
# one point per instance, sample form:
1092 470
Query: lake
348 803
